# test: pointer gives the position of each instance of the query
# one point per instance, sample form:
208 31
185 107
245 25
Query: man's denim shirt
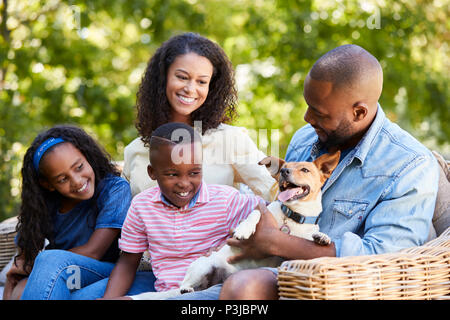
381 196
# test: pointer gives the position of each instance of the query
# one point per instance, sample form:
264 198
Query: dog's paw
247 227
244 231
321 239
184 290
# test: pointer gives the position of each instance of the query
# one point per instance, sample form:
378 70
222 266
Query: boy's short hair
175 133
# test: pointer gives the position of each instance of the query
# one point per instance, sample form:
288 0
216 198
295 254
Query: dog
296 212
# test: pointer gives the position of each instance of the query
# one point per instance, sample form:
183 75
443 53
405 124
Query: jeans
64 275
212 293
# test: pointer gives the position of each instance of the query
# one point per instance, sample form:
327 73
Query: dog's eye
304 170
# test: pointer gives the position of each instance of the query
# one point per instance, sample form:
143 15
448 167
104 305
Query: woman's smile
185 100
187 85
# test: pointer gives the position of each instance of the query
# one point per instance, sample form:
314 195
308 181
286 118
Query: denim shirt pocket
348 214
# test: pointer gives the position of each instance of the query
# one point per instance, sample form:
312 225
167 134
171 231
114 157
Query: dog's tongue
288 194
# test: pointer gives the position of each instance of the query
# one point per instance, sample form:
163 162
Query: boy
181 219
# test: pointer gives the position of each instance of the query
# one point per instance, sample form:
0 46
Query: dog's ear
273 164
327 163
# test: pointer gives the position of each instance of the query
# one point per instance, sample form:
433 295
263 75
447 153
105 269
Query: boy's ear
151 172
44 183
326 164
273 164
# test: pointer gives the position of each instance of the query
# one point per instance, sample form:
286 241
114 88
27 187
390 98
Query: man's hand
258 246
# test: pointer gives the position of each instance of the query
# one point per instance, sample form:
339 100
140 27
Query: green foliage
81 62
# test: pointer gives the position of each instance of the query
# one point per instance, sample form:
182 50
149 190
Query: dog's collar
297 217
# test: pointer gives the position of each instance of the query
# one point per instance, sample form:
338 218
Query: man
381 196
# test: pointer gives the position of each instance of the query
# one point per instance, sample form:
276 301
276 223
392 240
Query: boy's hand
259 245
122 276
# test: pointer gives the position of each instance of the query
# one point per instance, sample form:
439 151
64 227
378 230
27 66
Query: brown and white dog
299 201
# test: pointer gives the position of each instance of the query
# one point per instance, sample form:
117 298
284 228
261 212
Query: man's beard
338 137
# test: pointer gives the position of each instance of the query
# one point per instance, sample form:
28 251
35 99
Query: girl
190 79
73 197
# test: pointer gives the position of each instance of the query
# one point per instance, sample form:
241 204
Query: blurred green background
81 62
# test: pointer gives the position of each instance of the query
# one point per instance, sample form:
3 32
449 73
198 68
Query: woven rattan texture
7 246
415 273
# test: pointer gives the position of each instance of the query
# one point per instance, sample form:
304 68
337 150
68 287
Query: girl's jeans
64 275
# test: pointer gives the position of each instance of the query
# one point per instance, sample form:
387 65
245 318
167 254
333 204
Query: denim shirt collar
364 146
359 152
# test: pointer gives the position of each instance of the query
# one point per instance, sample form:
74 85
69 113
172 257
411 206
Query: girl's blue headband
47 144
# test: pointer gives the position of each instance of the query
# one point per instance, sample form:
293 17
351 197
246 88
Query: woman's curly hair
38 203
153 108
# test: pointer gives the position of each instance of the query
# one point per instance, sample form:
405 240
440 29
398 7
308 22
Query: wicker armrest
7 245
415 273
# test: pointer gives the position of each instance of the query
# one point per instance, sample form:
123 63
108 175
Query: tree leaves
81 62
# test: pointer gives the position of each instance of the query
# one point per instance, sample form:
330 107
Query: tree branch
4 29
5 34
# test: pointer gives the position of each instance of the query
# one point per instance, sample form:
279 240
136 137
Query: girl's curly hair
38 203
153 108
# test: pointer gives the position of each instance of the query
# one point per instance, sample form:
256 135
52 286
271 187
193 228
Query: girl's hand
18 269
13 276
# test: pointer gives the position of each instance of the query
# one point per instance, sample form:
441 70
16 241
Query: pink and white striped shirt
175 237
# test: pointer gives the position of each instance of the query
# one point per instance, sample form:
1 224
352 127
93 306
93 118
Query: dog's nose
285 172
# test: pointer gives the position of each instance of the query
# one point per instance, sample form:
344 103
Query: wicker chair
411 274
7 246
415 273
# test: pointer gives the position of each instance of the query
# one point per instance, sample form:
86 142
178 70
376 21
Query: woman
190 79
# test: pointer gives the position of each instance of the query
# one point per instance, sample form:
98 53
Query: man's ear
326 164
44 183
273 164
151 172
360 111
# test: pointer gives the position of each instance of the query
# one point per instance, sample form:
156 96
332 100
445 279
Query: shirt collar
364 146
201 196
361 150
